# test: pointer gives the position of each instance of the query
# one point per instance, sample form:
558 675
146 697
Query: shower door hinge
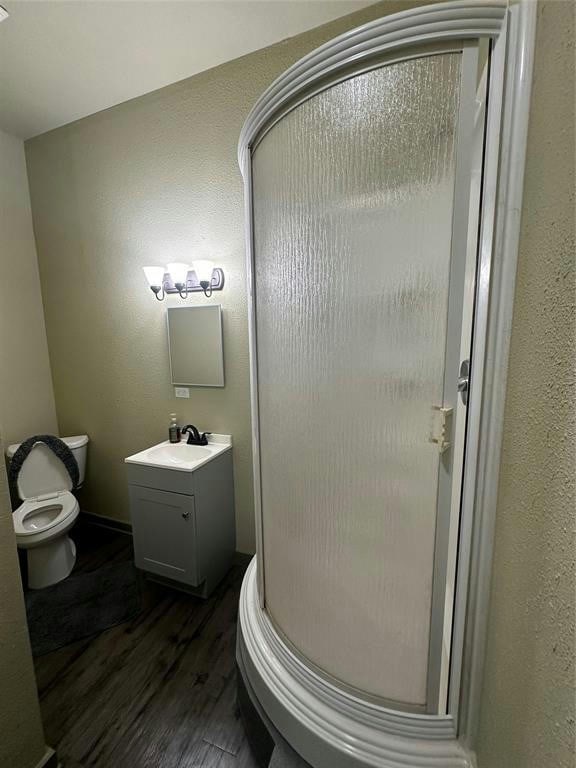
441 429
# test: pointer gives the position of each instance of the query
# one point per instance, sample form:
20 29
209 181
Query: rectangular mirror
195 346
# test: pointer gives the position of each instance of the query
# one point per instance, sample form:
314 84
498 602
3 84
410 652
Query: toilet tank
78 444
79 447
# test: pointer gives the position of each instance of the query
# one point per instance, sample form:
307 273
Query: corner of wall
26 392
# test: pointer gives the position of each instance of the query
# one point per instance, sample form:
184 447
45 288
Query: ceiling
60 61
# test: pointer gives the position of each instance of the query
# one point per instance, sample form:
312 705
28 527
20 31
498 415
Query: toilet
48 511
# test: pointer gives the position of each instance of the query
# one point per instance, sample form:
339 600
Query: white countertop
181 456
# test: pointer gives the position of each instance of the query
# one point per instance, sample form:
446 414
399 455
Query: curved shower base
328 726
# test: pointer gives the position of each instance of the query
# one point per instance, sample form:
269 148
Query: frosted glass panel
353 195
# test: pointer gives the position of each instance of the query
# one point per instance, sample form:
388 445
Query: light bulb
154 275
203 269
178 272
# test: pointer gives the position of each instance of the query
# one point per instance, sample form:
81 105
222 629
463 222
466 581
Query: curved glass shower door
353 203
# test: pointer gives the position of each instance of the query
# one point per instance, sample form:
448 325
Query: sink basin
179 453
181 456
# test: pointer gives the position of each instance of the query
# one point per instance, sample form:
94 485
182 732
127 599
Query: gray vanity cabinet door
164 529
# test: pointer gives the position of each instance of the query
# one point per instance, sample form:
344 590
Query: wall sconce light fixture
155 277
184 279
204 271
179 274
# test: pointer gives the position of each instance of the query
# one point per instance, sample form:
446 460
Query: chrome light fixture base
162 283
193 285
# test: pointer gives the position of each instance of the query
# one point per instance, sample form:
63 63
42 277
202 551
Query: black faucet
194 437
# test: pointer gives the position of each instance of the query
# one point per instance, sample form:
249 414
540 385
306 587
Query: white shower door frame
361 733
461 298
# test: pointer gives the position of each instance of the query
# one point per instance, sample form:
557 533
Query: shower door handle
464 380
441 428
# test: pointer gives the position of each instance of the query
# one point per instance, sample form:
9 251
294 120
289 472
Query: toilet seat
45 516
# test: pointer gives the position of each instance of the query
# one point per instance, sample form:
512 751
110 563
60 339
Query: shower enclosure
371 169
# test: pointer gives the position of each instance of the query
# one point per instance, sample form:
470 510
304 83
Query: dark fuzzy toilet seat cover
57 446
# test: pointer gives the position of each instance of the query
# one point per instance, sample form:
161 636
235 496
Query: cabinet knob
185 515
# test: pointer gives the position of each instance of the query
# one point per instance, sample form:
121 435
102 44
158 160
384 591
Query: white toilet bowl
48 512
40 528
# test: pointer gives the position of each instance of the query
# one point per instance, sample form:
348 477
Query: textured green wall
21 734
26 394
528 704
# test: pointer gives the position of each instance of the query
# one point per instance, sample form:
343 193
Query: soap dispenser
174 429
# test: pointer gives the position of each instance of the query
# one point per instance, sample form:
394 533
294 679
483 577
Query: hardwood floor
156 692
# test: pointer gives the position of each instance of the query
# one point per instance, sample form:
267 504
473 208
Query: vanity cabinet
183 522
164 529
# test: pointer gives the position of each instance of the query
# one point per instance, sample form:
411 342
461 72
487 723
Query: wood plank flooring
156 692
